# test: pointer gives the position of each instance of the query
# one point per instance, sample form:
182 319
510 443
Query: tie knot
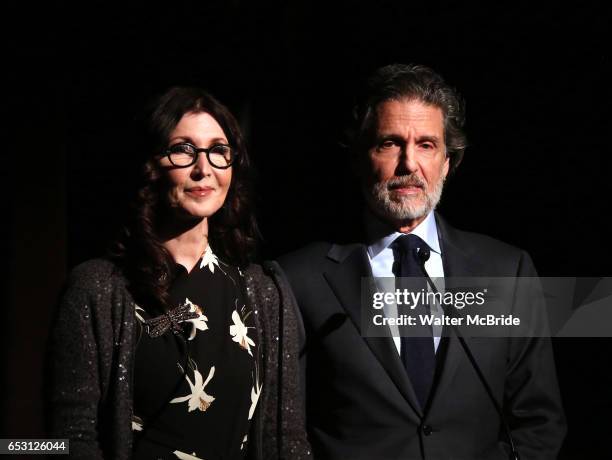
409 253
409 244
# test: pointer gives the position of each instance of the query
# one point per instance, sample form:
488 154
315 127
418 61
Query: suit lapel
457 263
344 278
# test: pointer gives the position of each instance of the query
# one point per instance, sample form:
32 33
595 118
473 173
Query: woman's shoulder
265 275
257 279
95 274
94 265
92 296
255 272
268 284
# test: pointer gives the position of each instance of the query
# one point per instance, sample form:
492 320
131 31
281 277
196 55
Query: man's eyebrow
389 136
430 138
396 137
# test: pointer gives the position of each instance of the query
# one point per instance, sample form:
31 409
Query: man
388 397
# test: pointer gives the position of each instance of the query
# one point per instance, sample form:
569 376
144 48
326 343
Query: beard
396 207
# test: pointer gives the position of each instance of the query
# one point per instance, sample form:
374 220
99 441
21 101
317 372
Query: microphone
422 256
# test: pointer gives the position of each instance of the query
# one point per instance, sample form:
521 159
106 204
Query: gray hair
412 82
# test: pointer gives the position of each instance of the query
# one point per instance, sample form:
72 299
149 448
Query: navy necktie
417 352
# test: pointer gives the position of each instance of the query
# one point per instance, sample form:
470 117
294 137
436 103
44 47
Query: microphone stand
422 256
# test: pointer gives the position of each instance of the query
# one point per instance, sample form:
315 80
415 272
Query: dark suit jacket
360 403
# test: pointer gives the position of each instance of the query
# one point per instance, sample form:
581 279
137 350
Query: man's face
406 163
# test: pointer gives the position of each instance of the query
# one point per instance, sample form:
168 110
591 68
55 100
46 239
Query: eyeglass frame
197 150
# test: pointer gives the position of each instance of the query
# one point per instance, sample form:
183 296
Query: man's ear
356 161
446 166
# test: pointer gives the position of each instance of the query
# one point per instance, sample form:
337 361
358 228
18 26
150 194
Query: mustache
406 181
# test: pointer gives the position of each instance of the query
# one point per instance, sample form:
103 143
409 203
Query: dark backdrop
535 77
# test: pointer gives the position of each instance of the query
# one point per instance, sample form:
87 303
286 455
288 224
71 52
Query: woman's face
198 190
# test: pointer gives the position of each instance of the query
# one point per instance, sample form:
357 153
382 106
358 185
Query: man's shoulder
480 241
308 257
496 255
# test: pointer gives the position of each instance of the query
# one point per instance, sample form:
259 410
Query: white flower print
255 392
244 440
210 259
136 423
239 333
138 315
198 323
198 399
184 456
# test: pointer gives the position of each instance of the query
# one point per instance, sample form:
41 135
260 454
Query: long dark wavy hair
233 231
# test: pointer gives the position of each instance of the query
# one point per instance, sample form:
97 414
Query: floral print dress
196 381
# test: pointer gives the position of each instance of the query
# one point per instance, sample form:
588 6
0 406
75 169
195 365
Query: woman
170 347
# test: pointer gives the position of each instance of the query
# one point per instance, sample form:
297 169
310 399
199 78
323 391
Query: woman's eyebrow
182 138
216 140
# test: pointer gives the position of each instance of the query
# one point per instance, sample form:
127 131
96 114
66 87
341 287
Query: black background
536 79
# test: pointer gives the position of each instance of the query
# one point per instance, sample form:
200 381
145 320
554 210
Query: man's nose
408 160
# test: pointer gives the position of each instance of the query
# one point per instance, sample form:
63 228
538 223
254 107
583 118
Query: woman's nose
202 166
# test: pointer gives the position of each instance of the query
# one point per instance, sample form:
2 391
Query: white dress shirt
381 260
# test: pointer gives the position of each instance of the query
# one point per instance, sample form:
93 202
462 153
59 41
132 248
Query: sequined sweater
91 357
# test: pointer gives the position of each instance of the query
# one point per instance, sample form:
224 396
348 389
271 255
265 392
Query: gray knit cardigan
91 357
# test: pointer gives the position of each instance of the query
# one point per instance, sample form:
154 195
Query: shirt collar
426 230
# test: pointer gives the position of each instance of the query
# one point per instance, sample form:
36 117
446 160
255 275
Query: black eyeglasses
219 156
